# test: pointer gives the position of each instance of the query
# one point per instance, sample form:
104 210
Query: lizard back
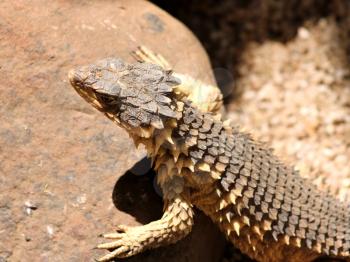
263 206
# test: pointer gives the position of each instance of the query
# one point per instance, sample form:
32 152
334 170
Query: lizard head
137 96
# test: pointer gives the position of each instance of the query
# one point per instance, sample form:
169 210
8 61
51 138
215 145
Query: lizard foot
176 223
127 242
143 54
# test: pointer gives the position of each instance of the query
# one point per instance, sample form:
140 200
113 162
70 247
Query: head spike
318 247
169 164
249 240
236 227
176 152
228 216
267 225
257 230
222 204
287 240
189 164
239 207
203 166
237 191
215 175
246 220
170 140
232 197
179 164
146 132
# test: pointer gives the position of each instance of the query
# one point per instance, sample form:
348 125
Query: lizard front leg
176 223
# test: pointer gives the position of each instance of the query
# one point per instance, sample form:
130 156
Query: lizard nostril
77 77
71 75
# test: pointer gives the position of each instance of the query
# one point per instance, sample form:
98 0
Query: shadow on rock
134 193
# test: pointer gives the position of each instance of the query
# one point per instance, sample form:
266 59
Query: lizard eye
107 100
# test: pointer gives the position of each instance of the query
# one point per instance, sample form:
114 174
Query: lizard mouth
77 81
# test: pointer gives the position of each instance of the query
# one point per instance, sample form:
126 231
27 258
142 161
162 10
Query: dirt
297 98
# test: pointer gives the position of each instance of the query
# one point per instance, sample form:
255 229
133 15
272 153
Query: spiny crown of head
135 95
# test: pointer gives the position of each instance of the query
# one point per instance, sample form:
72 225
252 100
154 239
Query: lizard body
263 206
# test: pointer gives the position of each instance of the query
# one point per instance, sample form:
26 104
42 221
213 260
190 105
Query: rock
61 154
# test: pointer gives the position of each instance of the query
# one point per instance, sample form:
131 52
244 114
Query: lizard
263 206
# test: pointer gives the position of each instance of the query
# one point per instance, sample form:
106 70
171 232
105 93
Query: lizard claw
110 245
114 254
113 235
126 244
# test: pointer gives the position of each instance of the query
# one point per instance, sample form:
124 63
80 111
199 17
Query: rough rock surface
60 160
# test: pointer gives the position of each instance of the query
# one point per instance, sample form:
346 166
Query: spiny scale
264 207
257 195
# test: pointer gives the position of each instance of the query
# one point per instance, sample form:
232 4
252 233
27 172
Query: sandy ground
296 97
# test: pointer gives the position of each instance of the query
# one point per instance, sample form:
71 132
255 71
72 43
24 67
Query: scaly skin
263 206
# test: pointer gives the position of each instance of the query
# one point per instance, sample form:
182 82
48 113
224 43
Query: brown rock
59 153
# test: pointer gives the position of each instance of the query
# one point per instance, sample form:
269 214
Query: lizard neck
180 154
